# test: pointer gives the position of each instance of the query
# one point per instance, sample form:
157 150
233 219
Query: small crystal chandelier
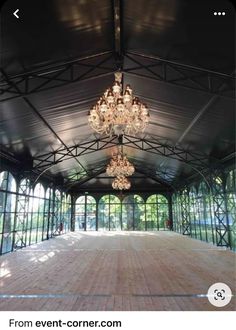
121 183
118 112
119 166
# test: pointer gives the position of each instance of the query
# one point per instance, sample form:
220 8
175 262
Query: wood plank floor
113 271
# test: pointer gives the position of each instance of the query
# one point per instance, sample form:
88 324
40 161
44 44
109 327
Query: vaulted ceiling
61 55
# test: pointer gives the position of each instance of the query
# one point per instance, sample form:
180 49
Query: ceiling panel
60 29
78 37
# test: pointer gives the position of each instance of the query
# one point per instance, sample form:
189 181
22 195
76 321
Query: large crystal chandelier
121 183
118 112
119 166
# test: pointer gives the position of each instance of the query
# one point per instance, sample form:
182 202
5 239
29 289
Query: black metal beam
182 75
62 154
221 217
42 119
60 74
190 157
195 159
56 75
93 174
185 217
84 178
32 107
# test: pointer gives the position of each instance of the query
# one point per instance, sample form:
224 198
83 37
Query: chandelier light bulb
118 112
120 166
121 183
116 88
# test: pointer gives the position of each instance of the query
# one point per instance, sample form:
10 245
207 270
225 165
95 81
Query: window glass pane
109 213
231 206
133 213
85 213
157 213
7 211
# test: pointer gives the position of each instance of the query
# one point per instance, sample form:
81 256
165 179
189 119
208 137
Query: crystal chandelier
119 166
121 183
118 112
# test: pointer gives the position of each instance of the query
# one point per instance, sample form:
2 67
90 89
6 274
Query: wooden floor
113 271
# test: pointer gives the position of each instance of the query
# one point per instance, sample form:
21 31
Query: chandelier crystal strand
118 112
119 166
121 183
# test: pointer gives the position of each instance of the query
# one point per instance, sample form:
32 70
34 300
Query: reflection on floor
115 271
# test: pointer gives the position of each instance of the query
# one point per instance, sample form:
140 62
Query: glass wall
7 211
37 214
231 205
206 217
209 210
194 213
48 214
109 213
130 214
29 214
66 211
85 213
176 213
133 213
157 213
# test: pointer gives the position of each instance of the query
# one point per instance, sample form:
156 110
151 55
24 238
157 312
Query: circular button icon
219 294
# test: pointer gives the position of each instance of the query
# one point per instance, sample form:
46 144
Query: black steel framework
20 224
207 211
184 204
220 210
195 160
60 74
56 75
22 215
183 75
43 161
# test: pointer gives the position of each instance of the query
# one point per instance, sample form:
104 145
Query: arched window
7 182
109 213
157 213
80 212
90 213
7 211
85 213
133 213
231 205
